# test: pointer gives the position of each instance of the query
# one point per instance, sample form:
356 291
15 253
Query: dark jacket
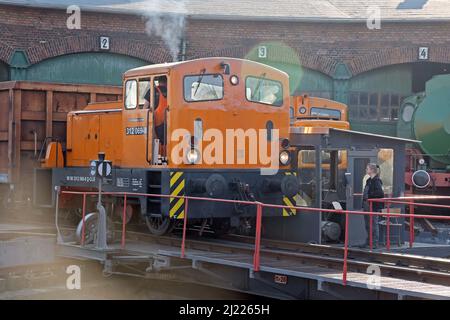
373 190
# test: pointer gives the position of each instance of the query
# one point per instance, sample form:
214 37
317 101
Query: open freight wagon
32 114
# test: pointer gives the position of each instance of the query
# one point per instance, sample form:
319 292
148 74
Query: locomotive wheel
159 225
90 231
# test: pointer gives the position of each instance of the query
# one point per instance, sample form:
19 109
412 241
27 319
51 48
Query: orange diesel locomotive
309 112
203 128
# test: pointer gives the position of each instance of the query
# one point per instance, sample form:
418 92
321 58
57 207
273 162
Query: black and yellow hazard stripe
177 188
289 201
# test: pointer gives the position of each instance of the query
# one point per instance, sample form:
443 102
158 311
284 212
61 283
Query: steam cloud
166 19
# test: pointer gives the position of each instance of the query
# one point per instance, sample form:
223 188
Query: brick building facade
371 70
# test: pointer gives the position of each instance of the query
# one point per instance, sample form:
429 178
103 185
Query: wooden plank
17 133
10 134
33 115
80 88
48 86
59 116
29 145
41 116
49 114
3 135
61 87
7 85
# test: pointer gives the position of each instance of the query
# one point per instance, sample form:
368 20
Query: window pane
354 99
203 87
144 87
324 112
131 94
264 91
353 112
309 156
363 99
374 99
373 114
384 114
363 113
385 100
394 113
395 100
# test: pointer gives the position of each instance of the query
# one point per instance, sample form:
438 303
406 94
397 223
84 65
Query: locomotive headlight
192 156
234 80
408 112
302 110
285 158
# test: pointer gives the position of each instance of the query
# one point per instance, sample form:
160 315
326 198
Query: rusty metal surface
32 111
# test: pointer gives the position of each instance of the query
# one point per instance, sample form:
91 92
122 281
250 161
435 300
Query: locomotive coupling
288 185
214 186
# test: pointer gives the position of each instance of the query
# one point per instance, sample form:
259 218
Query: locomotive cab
311 112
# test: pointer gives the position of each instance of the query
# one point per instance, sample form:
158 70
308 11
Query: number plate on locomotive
135 131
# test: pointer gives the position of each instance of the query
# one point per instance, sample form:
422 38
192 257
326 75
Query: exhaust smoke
166 19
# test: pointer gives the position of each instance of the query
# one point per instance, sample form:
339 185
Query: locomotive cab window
325 112
203 87
159 91
309 157
144 93
131 94
264 91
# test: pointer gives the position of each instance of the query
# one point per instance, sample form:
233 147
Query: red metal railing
412 203
259 213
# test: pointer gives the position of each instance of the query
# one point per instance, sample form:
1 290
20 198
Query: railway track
409 267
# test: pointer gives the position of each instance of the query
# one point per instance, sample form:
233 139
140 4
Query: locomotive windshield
264 91
203 87
325 112
309 156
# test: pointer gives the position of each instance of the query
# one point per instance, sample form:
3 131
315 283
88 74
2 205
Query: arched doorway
424 71
375 96
89 67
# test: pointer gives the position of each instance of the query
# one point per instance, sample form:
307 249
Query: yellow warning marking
177 191
177 206
288 202
181 215
175 178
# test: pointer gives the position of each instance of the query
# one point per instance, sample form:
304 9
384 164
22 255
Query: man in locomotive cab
160 107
